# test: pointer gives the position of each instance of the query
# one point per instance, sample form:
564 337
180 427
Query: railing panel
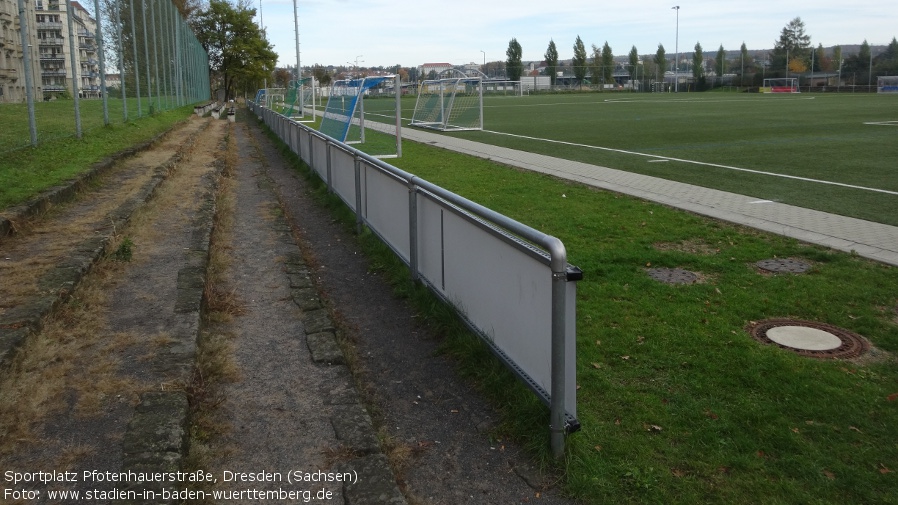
385 208
343 175
503 287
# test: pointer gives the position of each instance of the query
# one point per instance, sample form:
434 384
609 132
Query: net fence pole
70 13
101 54
146 57
135 65
178 84
121 61
27 64
166 54
155 51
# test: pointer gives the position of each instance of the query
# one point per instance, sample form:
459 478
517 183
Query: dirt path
68 396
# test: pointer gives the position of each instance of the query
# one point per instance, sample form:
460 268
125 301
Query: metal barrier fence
510 283
82 70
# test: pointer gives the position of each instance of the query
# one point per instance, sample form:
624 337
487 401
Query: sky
374 33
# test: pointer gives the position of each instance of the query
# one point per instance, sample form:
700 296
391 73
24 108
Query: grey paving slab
872 240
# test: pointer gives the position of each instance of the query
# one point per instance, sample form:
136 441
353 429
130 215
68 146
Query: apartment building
49 41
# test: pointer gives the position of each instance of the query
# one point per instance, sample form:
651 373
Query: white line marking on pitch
715 165
883 123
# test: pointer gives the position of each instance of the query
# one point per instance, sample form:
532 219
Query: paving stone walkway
871 240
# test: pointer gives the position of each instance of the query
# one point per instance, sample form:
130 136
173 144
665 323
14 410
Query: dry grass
72 355
215 354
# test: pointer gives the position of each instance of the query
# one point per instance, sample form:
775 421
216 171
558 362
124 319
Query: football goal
346 120
887 84
780 85
300 95
450 104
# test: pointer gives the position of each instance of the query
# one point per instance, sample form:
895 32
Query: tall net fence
67 68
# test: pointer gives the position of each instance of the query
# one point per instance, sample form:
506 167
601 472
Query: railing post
328 177
557 424
413 228
358 194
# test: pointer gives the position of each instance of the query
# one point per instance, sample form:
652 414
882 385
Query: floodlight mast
677 49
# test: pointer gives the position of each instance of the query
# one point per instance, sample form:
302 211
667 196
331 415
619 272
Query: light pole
484 62
677 48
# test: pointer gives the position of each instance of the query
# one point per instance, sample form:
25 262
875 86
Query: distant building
48 43
430 70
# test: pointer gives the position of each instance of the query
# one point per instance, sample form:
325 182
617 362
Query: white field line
883 123
655 157
637 100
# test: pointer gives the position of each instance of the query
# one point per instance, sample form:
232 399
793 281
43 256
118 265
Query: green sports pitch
834 152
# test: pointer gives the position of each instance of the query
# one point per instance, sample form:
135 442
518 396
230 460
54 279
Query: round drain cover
802 337
809 338
673 275
786 265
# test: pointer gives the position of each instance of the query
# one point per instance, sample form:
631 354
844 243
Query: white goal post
780 85
887 84
450 104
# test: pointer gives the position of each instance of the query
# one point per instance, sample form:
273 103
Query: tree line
792 54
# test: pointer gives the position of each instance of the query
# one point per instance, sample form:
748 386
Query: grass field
844 147
56 120
27 171
678 403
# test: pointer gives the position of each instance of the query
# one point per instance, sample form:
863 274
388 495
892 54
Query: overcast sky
409 33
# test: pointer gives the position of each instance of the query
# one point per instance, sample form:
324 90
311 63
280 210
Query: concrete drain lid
673 275
786 265
808 338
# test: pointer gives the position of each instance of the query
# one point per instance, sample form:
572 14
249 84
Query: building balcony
54 87
50 42
49 25
5 17
52 57
54 72
8 73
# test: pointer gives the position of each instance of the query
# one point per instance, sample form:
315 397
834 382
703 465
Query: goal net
300 95
780 85
450 104
345 117
887 84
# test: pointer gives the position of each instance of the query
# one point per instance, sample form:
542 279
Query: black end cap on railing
574 273
571 424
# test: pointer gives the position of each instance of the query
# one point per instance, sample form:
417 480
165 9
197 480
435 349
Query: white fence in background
510 283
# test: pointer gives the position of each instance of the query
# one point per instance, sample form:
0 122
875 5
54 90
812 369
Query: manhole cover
786 265
809 338
673 275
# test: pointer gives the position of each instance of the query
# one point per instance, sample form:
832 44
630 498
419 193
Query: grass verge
26 172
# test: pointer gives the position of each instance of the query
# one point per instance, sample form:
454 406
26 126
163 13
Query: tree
321 75
579 61
793 43
858 65
239 55
281 77
698 63
607 63
660 61
720 64
887 62
551 57
634 62
595 69
745 61
514 68
837 58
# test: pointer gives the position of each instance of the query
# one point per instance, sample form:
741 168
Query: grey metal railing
510 283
